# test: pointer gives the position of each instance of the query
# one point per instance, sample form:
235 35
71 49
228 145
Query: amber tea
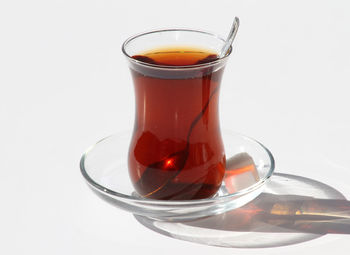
176 151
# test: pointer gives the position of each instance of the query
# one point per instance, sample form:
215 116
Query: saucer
249 166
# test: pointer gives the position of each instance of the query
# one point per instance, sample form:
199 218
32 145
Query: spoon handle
231 36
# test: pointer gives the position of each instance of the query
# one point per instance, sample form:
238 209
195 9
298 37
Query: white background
64 84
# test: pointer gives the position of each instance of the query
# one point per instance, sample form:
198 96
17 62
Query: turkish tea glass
176 151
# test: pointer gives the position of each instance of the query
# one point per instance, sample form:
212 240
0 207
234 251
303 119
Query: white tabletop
64 84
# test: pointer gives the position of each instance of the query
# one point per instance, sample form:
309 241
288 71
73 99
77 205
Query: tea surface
177 56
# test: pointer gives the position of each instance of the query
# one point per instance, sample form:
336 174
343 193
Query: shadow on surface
292 209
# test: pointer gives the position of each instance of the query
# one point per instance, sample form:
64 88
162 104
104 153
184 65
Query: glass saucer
249 163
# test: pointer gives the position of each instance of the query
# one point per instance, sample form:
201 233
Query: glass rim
138 62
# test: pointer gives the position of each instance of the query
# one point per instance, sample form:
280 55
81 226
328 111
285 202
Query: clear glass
249 166
176 151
